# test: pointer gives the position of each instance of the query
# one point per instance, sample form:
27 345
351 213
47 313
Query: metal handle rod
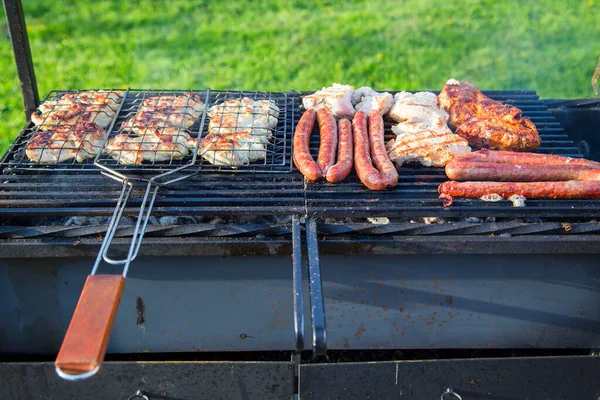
20 43
298 283
138 232
114 223
317 307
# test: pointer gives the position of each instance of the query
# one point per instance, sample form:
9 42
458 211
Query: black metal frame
18 35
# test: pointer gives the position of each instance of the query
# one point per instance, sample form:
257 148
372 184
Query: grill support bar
297 282
315 284
20 43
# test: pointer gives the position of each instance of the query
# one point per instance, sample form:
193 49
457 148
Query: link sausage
380 158
301 147
529 190
343 167
329 139
459 170
367 174
519 158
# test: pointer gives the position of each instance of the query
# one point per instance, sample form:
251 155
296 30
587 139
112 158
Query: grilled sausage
329 139
301 147
367 174
380 158
519 158
529 190
342 168
489 171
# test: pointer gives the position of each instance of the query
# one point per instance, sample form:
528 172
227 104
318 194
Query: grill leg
20 42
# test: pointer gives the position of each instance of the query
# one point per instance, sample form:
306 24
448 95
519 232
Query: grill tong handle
83 348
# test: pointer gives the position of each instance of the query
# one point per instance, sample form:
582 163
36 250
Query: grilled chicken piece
485 122
232 149
417 112
429 148
369 101
180 111
55 144
337 98
70 108
259 117
149 147
422 133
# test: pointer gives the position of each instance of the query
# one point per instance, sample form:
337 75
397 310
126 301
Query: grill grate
416 193
38 197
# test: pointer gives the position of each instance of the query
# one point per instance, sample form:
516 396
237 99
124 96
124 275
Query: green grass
550 46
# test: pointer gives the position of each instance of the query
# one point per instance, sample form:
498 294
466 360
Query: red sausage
302 158
342 168
367 174
520 158
380 158
529 190
329 139
489 171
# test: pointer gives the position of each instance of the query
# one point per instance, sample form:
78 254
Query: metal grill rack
15 159
278 147
174 152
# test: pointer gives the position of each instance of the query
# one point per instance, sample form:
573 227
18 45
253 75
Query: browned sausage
329 139
367 174
519 158
342 168
489 171
529 190
301 142
380 158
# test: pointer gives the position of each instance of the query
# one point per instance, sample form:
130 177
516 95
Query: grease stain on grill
140 310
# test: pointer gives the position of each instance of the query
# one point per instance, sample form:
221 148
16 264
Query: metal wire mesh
248 132
156 131
66 131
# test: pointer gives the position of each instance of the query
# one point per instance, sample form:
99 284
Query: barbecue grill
255 284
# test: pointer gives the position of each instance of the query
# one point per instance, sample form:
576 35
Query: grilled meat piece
259 117
485 122
71 108
369 101
157 130
180 111
422 133
171 144
337 98
418 112
232 149
55 144
239 131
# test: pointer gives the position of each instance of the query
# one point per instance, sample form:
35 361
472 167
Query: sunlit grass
550 46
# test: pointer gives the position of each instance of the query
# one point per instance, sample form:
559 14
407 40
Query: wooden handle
86 339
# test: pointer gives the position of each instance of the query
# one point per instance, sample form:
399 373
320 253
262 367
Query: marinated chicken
149 147
157 132
259 117
232 149
54 144
487 123
422 134
179 111
239 131
369 101
337 98
71 108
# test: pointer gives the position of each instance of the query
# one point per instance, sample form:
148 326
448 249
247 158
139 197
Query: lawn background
550 46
